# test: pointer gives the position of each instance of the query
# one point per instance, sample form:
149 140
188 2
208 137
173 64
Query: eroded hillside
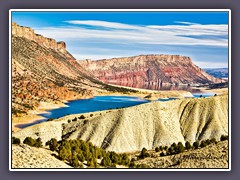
148 125
44 71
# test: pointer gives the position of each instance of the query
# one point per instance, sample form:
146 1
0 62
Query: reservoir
98 103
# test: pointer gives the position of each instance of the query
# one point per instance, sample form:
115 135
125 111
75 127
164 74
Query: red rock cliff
165 69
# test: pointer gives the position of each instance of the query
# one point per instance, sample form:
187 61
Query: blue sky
98 35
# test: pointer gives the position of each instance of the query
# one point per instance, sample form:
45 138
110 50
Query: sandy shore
33 116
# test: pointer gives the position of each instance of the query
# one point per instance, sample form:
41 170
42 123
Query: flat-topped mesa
153 69
29 33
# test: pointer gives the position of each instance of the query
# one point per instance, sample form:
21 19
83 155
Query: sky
203 36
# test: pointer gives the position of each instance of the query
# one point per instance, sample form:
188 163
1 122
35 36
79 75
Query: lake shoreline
143 94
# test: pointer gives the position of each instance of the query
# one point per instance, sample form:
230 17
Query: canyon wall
154 69
29 33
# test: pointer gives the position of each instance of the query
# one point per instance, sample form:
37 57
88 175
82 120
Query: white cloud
153 34
106 24
106 40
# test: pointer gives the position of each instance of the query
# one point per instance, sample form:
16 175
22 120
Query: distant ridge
158 69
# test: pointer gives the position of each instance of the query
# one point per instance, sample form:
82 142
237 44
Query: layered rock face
149 69
44 71
29 33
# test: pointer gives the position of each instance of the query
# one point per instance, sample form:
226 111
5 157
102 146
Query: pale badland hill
24 156
148 125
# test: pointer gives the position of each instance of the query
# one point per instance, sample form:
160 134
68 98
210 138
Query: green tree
74 161
64 154
180 148
106 162
53 144
171 150
188 145
80 156
144 153
157 149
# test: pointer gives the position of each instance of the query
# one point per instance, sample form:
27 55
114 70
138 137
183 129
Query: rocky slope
24 156
148 69
211 156
147 125
44 71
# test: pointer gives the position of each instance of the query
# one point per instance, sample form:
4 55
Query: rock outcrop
148 69
29 33
148 125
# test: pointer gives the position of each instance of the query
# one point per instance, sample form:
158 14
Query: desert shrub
165 147
53 144
15 140
224 137
203 144
91 115
50 119
162 154
82 117
213 140
132 164
208 141
69 121
161 148
188 145
196 144
144 154
157 149
29 141
75 119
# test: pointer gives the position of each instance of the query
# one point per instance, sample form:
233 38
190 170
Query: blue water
98 103
204 94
